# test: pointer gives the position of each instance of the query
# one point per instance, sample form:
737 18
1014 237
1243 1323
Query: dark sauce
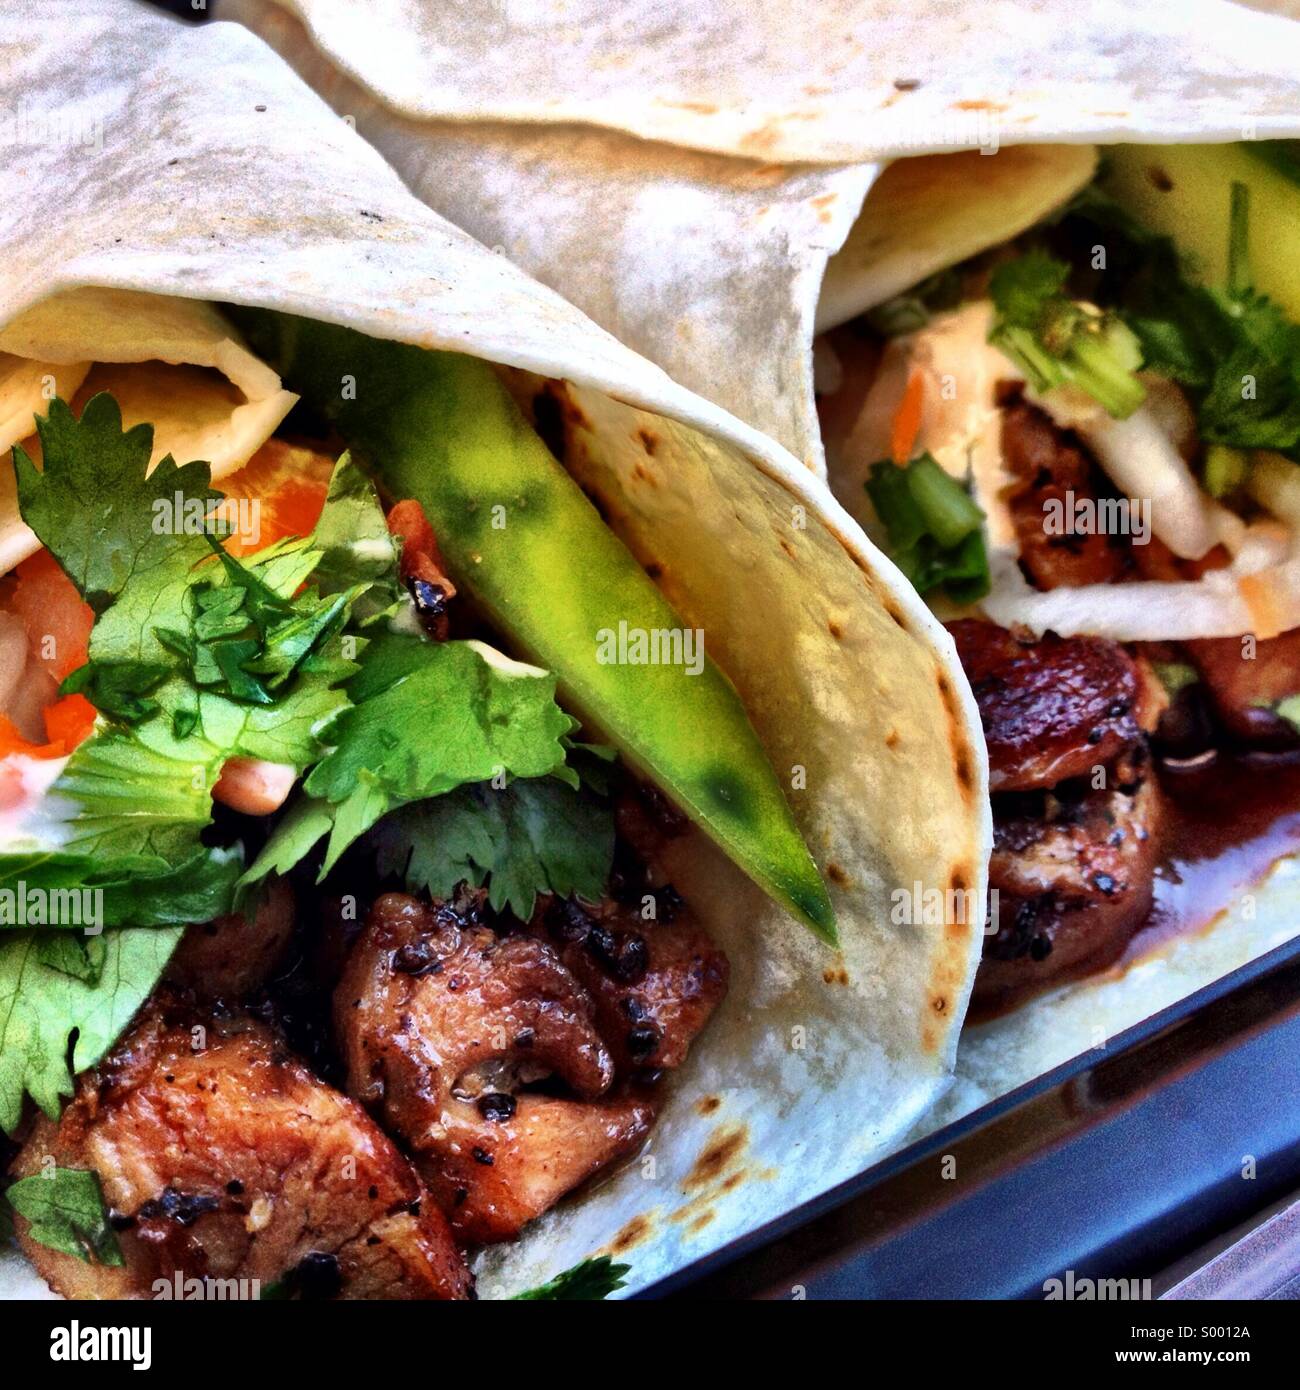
1231 817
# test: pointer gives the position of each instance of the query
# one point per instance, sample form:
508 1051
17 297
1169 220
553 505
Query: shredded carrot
58 622
907 421
288 484
1261 598
68 722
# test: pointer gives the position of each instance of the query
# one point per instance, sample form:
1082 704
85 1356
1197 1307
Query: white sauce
36 820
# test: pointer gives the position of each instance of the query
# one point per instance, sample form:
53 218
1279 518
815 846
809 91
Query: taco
820 228
436 747
1101 417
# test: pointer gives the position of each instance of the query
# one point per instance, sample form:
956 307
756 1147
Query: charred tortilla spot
962 762
725 1145
631 1234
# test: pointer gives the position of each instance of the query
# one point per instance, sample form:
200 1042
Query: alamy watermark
1098 516
919 906
21 906
656 646
179 515
30 123
1081 1289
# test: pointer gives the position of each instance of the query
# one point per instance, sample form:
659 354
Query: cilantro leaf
530 837
133 890
95 506
427 718
44 1008
457 718
356 547
593 1278
65 1209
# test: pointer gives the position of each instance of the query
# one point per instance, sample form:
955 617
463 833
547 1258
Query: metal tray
1113 1168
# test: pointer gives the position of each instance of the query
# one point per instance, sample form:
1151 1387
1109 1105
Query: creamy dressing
30 818
961 427
506 665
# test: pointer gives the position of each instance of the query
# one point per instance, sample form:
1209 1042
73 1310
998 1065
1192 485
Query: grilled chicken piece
1074 877
441 1022
655 983
1244 689
234 1162
1051 466
232 956
1077 810
1052 707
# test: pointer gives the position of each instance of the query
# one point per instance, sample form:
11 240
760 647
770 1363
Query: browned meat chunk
231 957
222 1156
1051 467
441 1022
655 982
1052 707
1077 810
1244 689
1155 560
1074 878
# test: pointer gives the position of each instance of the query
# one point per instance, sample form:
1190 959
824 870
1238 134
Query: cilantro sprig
425 720
1055 340
594 1278
1232 348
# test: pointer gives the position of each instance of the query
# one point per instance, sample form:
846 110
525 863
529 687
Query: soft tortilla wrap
712 266
720 258
204 393
220 177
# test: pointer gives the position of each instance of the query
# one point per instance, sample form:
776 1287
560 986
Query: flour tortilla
215 175
204 393
720 260
531 126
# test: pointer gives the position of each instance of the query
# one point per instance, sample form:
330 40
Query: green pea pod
521 536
